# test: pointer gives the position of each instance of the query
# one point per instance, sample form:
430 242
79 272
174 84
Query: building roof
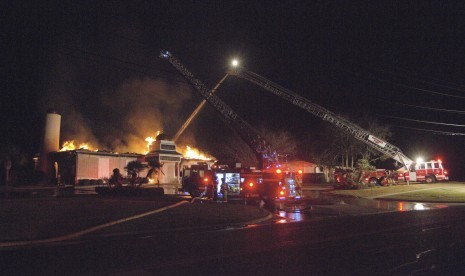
100 153
164 152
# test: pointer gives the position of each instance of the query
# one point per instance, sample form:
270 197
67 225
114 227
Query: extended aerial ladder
265 154
351 128
196 111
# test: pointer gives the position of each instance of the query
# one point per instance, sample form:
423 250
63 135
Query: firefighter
214 188
390 177
116 179
224 190
194 184
268 192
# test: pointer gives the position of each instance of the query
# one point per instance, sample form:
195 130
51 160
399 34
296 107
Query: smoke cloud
109 111
145 106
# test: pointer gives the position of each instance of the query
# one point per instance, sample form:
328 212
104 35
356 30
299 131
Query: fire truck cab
196 179
429 172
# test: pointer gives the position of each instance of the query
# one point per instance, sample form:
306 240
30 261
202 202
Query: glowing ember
193 153
69 145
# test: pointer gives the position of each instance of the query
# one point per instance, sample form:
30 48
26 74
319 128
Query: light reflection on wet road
314 207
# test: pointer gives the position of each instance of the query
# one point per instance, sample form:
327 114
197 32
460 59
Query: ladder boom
351 128
259 145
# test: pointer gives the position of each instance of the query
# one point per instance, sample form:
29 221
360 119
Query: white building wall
91 166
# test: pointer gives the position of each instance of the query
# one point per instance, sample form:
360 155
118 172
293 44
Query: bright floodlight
419 160
234 62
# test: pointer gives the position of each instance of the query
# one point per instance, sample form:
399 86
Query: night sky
96 62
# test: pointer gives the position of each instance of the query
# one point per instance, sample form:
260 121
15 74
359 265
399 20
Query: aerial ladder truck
268 181
420 171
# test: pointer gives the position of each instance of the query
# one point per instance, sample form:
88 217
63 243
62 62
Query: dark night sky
97 63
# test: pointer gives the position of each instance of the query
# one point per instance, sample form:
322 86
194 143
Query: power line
424 107
421 121
420 80
408 86
433 131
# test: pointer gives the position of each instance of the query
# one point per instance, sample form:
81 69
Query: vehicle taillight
205 179
445 172
300 171
278 171
281 192
251 184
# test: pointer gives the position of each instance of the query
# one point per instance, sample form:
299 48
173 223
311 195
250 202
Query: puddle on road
394 205
291 217
299 212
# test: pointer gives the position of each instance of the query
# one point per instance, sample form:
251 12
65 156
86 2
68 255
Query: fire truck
380 177
429 172
247 184
415 171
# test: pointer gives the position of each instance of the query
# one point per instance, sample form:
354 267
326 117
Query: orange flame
194 153
69 145
150 141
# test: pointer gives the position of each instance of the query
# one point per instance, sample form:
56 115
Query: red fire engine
429 172
421 171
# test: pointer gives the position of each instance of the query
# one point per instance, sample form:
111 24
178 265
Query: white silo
50 140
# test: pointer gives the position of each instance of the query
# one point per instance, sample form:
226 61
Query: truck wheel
429 179
373 181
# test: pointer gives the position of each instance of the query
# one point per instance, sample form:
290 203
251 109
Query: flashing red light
205 179
445 172
251 184
300 171
278 171
439 161
281 192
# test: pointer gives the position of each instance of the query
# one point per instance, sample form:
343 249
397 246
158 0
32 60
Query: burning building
164 151
83 166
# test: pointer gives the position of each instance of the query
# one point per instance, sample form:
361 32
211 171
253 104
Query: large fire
188 152
69 145
193 153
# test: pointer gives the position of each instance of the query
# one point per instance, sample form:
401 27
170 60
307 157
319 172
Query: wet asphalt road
385 243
